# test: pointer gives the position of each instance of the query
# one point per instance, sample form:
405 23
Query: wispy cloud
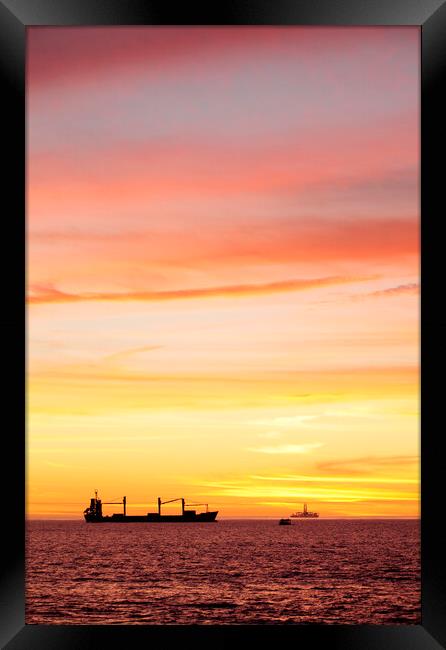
286 421
269 434
304 448
252 489
121 354
335 479
411 288
357 412
50 294
366 464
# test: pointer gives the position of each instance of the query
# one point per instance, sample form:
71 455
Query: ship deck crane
160 503
199 504
124 503
183 504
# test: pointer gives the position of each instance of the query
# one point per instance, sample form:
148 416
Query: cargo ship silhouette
93 514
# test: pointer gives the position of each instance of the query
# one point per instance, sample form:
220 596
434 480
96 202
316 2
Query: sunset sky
223 269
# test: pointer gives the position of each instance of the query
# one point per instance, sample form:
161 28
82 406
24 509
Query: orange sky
223 269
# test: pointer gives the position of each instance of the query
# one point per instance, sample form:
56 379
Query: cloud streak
65 53
304 448
327 493
367 464
402 289
284 421
335 479
49 294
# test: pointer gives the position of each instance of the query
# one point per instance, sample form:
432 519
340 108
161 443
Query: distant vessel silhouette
305 514
93 514
284 522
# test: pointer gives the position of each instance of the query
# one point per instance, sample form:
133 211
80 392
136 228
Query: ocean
227 572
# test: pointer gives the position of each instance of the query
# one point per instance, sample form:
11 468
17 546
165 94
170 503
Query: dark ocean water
228 572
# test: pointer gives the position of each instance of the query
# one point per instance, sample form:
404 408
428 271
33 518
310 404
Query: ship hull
152 518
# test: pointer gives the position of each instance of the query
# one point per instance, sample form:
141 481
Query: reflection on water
228 572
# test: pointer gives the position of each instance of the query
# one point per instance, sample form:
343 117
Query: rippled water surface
227 572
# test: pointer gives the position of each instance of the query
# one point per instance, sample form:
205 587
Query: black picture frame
430 15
